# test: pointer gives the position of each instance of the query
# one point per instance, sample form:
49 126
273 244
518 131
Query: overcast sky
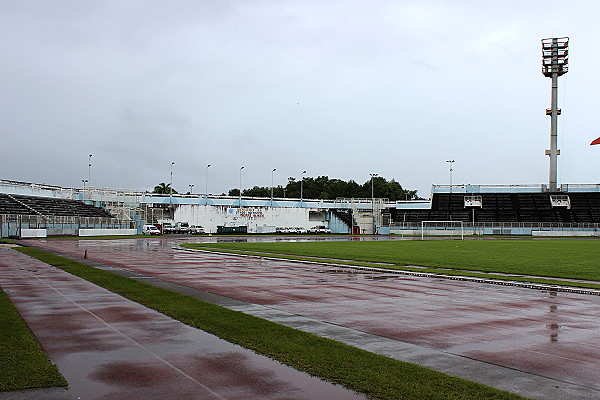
336 88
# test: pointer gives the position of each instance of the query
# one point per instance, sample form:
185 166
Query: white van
150 230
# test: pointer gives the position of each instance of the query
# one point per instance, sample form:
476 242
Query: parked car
150 230
319 229
182 227
168 228
197 230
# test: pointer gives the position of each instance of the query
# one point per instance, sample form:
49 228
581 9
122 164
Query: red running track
110 348
550 334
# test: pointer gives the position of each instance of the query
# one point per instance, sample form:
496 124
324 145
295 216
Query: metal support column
553 152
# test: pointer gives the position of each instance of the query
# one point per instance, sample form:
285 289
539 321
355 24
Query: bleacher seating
9 206
507 207
28 205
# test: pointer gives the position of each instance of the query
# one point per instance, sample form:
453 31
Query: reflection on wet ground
108 347
546 333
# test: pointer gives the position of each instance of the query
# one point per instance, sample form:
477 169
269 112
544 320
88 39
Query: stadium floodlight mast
241 168
206 185
555 63
272 184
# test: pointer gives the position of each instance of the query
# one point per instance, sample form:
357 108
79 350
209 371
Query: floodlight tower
555 62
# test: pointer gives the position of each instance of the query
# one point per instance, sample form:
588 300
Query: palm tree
163 188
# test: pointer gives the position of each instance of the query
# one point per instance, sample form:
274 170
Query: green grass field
560 258
23 362
377 376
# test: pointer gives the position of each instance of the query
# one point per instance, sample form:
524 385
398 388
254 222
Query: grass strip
23 362
472 274
556 258
377 376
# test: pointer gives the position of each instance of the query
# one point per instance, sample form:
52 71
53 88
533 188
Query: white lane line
218 396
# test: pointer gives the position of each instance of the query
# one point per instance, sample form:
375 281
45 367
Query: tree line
322 188
330 189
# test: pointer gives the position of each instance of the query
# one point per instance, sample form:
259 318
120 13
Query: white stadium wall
257 219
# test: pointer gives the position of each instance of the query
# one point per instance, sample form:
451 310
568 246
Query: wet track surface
112 348
556 335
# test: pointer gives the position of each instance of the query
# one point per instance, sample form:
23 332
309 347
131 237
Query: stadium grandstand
46 206
31 210
28 209
510 209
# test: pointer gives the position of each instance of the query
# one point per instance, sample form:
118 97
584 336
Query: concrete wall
103 232
33 233
255 218
565 233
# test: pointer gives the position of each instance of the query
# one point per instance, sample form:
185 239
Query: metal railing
11 224
499 228
509 225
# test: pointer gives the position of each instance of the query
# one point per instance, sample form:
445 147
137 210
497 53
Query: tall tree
163 188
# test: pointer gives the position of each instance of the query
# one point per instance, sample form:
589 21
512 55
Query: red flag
597 141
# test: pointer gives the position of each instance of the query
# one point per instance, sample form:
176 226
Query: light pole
84 181
272 173
89 168
191 187
451 162
373 200
206 185
171 185
372 190
241 168
301 190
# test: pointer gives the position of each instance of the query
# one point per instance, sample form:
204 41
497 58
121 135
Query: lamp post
89 168
302 189
206 185
272 173
171 185
241 168
191 187
373 200
372 188
84 181
451 162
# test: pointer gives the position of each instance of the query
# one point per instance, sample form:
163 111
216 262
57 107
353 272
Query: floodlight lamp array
555 56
